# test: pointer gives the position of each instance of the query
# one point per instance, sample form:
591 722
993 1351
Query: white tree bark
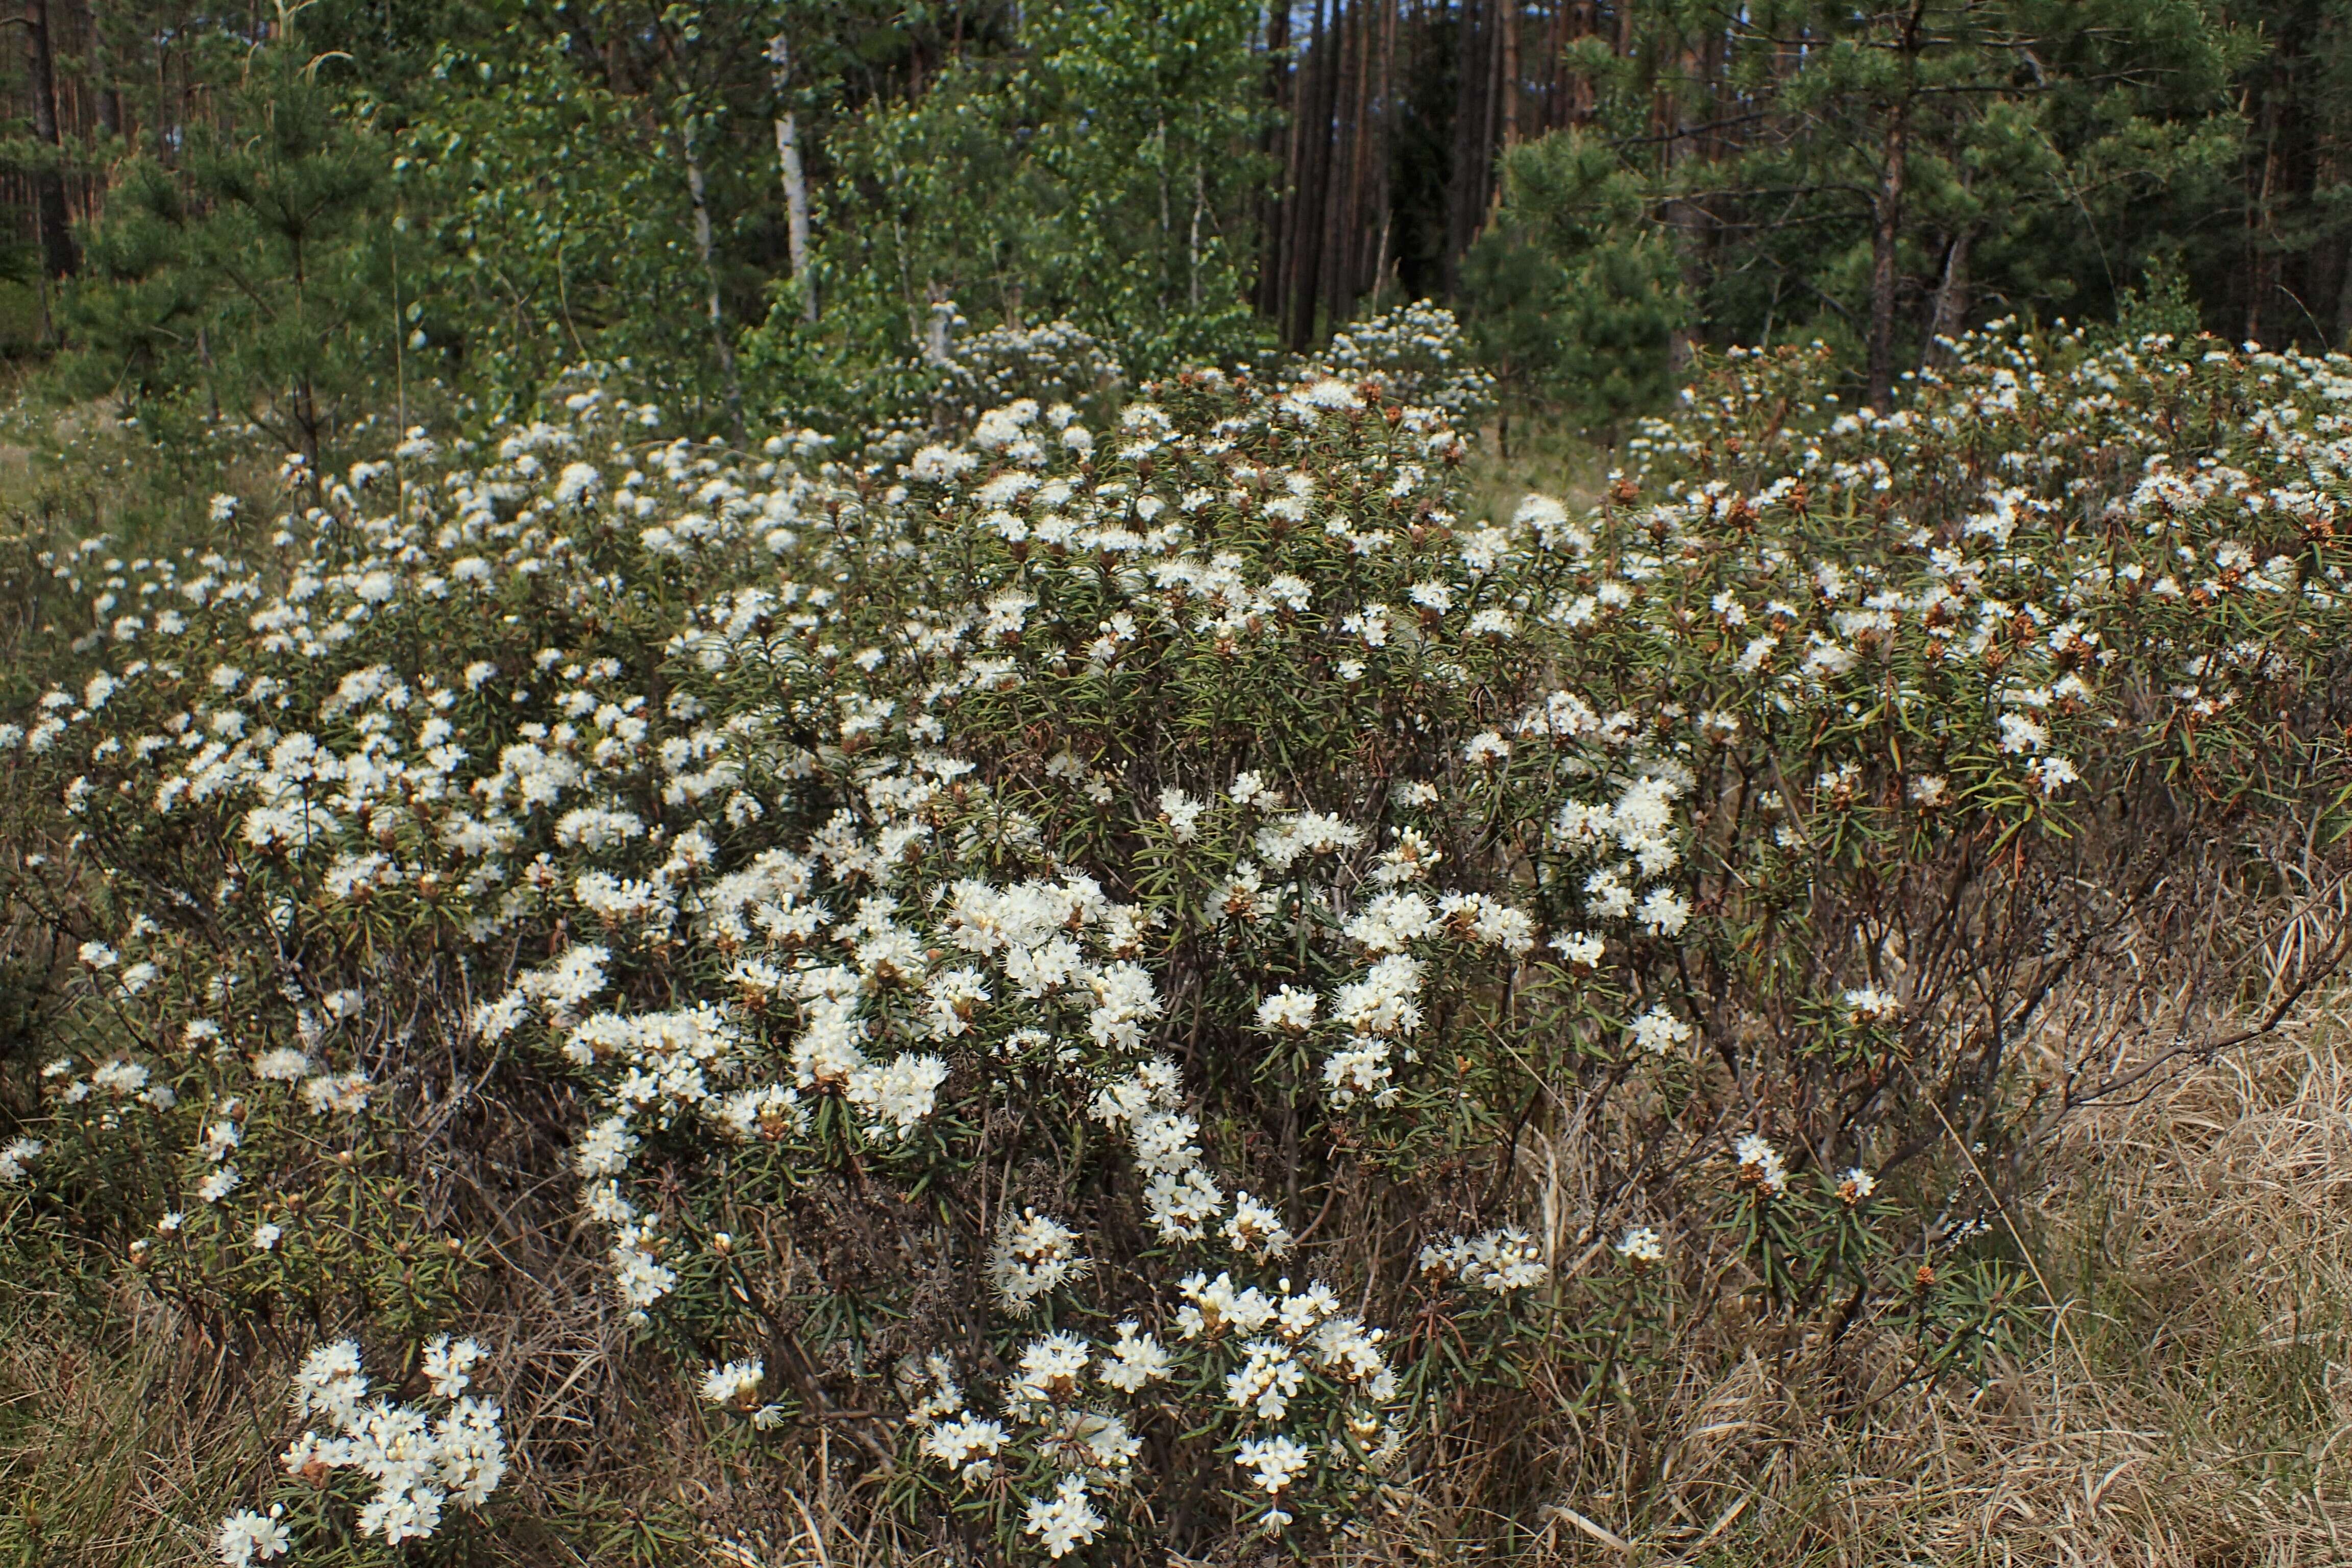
795 175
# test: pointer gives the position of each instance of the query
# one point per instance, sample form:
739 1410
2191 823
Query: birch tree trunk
704 244
797 209
796 176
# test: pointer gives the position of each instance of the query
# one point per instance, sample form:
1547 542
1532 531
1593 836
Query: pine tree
251 278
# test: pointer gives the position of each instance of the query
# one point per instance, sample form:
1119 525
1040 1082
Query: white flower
1330 393
448 1363
1277 1460
119 1078
1289 1010
735 1383
1181 1203
331 1383
1256 1230
265 1237
345 1093
1641 1247
1266 1381
1049 1373
1760 1166
1581 949
1499 1261
247 1537
1183 814
2020 734
2051 774
605 1149
1359 1070
1386 1000
283 1065
219 1138
1065 1522
16 1158
1663 912
1658 1032
1036 1255
1871 1005
1212 1306
939 465
965 1446
1486 748
218 1185
577 481
1856 1185
1134 1358
898 1096
1250 790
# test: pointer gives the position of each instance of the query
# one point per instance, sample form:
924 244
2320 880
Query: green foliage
247 282
2163 306
1574 295
546 232
1872 188
1099 171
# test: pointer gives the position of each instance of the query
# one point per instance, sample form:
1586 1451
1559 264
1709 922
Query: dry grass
2192 1408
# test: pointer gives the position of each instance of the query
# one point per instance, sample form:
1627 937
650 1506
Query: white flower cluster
1497 1262
418 1462
246 1537
1036 1255
1633 840
1414 352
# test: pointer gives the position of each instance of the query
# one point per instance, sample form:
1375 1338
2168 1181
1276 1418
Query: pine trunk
58 257
1885 231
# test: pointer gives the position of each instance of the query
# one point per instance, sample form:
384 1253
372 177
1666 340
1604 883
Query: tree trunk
706 248
788 159
797 209
1340 186
58 257
938 346
1279 138
1885 229
1474 149
2343 296
1509 86
1886 219
1315 105
2261 256
1951 310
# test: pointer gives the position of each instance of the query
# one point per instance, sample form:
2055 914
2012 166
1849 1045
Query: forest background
304 216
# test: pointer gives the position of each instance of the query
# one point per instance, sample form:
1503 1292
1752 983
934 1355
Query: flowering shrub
1067 940
957 380
1414 352
415 1463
